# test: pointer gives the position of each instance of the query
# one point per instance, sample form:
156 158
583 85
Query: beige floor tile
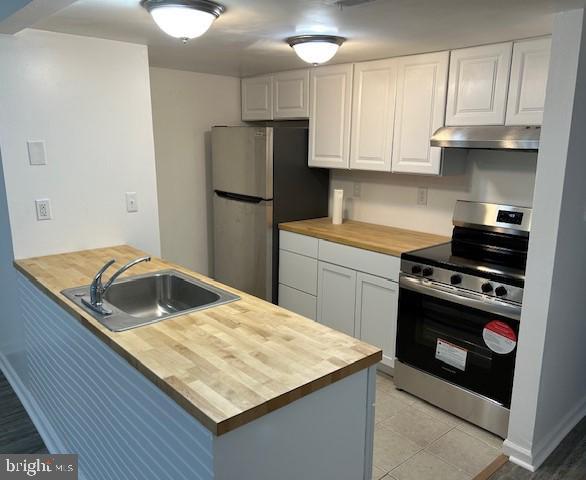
481 434
391 448
387 405
425 466
378 473
417 426
437 412
384 383
463 451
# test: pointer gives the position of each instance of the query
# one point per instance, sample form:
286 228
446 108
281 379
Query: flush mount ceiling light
315 49
184 19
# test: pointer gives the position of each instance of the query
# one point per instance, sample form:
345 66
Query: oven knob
500 291
427 272
456 279
415 269
486 287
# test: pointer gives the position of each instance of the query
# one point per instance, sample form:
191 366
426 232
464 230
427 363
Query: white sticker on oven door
451 354
499 337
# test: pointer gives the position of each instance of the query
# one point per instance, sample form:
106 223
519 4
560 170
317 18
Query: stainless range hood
488 137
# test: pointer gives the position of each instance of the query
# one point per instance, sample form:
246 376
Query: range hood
488 137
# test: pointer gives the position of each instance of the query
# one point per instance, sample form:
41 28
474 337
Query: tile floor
414 440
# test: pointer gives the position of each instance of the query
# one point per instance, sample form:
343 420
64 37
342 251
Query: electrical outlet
357 189
131 202
43 207
422 196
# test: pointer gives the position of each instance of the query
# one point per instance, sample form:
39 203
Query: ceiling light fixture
184 19
315 49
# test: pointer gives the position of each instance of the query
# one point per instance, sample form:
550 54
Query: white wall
391 199
549 395
89 100
10 331
185 107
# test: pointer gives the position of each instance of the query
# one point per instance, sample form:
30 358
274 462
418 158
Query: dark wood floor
17 432
567 462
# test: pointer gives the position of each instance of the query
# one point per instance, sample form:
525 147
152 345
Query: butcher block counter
368 236
227 365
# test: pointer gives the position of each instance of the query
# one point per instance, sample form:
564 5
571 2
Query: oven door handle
460 297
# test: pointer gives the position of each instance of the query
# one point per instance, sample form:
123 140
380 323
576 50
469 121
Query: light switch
43 207
131 202
36 153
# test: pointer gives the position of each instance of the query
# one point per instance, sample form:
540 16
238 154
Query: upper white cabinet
420 108
257 98
373 115
291 94
479 79
529 72
280 96
329 120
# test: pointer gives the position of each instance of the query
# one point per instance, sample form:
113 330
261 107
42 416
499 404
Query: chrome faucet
95 301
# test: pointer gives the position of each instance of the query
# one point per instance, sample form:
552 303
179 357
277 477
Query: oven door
463 337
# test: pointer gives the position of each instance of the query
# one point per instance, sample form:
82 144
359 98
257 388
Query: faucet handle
101 271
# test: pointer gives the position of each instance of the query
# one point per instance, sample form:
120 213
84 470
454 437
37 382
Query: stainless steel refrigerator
260 179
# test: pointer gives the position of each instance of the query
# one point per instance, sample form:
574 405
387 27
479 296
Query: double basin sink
152 297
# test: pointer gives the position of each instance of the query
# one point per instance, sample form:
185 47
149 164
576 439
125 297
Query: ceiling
248 38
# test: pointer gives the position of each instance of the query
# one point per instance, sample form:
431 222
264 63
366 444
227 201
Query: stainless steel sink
145 299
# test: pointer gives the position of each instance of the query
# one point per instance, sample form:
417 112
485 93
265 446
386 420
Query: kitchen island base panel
85 398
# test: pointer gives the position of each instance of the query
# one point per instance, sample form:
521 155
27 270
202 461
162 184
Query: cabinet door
297 301
291 94
529 72
329 120
373 115
479 81
257 98
377 302
420 108
336 297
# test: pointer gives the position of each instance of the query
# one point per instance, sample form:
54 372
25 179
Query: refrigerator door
243 243
242 160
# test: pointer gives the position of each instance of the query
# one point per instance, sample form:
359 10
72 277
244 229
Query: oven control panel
465 281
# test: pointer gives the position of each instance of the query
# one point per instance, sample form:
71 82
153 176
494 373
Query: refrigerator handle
238 197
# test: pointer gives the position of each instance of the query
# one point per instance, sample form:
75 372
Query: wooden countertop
226 365
368 236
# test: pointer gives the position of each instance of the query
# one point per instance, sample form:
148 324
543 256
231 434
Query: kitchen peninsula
242 390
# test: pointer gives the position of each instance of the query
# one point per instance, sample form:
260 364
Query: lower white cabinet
349 289
336 297
298 301
377 301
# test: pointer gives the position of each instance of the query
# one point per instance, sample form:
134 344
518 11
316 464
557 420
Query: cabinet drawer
296 243
297 301
298 271
375 263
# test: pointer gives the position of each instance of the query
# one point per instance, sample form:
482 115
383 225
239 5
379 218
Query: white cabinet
349 289
297 301
336 297
329 121
420 108
257 98
373 115
291 94
479 79
298 271
529 72
377 301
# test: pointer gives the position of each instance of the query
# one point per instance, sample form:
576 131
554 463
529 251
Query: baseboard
531 459
46 431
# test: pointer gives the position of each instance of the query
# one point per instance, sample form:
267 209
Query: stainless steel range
459 310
